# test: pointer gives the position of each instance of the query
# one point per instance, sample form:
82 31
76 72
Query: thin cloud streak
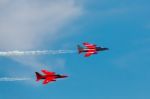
30 24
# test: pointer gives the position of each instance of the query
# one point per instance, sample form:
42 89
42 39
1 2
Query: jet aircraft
48 76
90 49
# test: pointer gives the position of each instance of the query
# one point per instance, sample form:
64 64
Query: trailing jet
48 76
90 49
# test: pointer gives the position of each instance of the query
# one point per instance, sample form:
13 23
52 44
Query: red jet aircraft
90 49
48 76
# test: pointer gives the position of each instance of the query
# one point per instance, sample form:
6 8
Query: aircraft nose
65 76
107 48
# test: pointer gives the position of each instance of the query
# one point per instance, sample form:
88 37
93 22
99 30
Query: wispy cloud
28 24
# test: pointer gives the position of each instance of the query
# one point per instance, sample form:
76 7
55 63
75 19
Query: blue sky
121 25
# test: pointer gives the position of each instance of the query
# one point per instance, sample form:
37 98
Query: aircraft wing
88 45
49 79
90 52
47 72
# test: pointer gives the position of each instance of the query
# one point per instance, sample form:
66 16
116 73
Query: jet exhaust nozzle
38 76
80 49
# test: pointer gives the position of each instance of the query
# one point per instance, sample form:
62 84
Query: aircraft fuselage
55 76
93 49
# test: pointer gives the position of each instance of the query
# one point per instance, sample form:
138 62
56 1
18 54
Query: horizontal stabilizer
80 49
38 76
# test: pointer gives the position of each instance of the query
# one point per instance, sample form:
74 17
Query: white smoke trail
13 79
21 53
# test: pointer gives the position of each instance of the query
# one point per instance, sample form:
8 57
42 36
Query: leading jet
48 76
90 49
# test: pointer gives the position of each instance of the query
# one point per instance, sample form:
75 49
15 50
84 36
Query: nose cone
106 48
64 76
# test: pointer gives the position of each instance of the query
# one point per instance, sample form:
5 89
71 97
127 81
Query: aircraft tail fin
80 49
38 76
